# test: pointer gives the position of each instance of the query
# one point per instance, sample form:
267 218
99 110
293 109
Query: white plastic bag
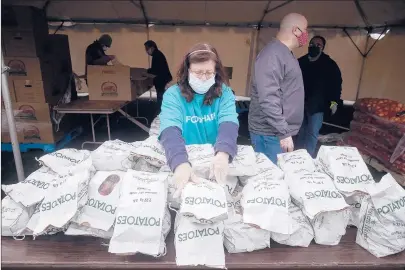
241 237
200 156
33 189
199 244
141 164
263 164
150 150
329 227
155 127
204 202
303 232
347 169
314 193
139 222
112 156
75 229
244 163
67 161
231 183
171 188
14 217
265 200
355 202
102 202
65 199
298 160
33 221
382 224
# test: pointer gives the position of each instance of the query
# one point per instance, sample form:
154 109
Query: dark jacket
160 68
322 83
94 53
277 94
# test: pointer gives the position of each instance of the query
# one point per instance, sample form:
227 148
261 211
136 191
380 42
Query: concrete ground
125 130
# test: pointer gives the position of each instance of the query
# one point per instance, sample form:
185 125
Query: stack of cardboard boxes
39 74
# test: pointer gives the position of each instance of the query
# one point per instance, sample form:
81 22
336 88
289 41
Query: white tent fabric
320 14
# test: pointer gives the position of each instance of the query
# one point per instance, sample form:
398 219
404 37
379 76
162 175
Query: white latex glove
219 168
182 174
287 144
333 107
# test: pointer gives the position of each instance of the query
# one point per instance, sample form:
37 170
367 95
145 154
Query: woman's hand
182 174
220 167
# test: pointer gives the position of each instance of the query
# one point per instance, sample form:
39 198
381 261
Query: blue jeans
308 135
268 145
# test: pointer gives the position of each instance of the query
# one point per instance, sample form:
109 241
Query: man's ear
296 31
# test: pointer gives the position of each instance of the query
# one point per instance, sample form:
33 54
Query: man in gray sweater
277 97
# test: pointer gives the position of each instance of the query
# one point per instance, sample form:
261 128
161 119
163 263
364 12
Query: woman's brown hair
200 53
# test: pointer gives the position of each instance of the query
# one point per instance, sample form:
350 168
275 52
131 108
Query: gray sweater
277 95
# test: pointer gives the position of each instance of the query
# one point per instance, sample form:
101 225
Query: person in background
277 96
95 52
323 87
199 109
160 69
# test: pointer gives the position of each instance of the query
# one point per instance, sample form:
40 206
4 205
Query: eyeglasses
200 74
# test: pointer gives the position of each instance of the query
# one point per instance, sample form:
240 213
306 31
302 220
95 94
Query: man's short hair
321 38
150 44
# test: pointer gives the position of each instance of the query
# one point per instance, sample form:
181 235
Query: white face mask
199 86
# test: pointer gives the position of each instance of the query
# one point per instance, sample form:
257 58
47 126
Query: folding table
85 106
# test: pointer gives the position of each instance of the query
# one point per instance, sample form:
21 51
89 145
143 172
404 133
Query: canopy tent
258 19
239 29
238 13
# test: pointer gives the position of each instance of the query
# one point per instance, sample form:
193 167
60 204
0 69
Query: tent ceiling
224 12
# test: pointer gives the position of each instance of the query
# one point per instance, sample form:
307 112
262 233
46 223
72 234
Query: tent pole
363 63
10 121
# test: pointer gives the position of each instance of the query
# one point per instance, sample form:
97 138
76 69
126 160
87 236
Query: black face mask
314 51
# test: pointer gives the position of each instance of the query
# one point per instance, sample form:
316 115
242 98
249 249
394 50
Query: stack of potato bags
378 131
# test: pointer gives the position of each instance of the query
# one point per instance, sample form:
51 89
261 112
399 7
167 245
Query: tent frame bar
267 11
361 13
144 13
366 52
354 43
214 24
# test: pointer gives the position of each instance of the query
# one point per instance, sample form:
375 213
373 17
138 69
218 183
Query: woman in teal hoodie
199 109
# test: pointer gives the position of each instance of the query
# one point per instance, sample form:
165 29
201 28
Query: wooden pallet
46 147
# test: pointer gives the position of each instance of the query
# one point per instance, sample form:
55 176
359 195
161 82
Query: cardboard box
11 90
32 91
32 112
32 68
114 83
37 80
27 132
110 83
29 91
22 43
24 31
24 18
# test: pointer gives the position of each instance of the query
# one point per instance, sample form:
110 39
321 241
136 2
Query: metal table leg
132 119
92 127
93 132
108 127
